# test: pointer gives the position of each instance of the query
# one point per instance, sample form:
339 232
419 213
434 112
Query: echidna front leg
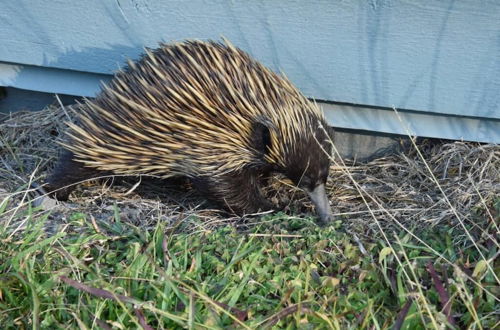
67 173
238 192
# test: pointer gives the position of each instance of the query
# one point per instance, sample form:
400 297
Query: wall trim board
366 118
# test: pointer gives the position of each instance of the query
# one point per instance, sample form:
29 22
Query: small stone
45 203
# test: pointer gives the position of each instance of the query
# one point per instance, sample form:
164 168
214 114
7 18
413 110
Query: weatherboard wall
436 61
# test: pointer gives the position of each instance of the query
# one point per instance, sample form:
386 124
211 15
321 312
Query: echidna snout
320 199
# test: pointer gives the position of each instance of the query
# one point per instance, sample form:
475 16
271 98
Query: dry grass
398 185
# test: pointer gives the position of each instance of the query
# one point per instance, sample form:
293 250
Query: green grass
284 273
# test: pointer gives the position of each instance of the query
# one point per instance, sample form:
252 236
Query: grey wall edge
412 123
50 80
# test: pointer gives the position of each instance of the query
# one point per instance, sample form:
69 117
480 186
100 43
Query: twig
402 314
142 320
273 319
276 235
62 107
444 298
99 292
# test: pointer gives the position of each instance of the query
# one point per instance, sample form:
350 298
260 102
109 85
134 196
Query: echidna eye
305 182
323 176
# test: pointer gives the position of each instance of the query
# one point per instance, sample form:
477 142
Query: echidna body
207 111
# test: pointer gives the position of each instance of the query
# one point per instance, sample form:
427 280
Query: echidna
203 110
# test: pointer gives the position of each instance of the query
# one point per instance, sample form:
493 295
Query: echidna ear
261 137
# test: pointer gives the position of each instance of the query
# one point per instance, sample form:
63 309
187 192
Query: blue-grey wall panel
435 56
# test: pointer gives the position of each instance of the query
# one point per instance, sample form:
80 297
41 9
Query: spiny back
189 108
